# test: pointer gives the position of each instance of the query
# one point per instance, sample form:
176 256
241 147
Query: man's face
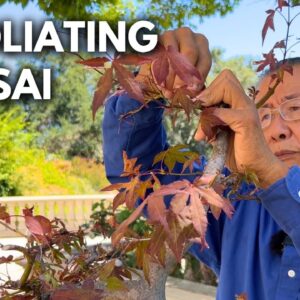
283 137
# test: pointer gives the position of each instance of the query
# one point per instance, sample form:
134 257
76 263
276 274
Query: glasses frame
279 111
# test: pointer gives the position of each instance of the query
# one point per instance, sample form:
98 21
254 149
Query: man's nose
279 128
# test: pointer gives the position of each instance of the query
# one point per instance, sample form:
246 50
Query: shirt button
291 273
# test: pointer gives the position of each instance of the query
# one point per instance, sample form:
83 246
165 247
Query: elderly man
266 141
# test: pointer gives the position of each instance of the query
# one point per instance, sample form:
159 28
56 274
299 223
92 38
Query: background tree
165 13
64 124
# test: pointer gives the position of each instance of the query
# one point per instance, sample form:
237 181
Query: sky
238 33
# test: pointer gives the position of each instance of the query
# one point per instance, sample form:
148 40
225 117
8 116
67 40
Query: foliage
68 129
13 142
40 176
58 263
165 13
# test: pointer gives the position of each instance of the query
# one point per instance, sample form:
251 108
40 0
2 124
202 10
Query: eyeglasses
289 110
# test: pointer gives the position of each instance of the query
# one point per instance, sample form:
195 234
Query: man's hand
248 148
193 46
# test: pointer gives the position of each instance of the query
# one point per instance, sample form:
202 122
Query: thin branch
296 43
12 229
293 19
268 94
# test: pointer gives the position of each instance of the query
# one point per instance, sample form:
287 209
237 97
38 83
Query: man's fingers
225 88
204 57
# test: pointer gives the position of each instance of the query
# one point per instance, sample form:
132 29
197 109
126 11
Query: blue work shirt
239 248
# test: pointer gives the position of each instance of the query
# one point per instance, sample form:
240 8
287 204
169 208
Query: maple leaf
178 153
269 23
38 225
179 202
282 3
177 238
96 62
126 79
182 67
130 192
121 229
210 123
4 215
156 244
198 214
157 211
160 68
118 200
181 98
104 86
279 44
130 167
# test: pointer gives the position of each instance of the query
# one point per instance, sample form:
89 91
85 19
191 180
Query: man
239 249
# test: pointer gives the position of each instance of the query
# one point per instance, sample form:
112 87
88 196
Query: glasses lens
290 110
264 116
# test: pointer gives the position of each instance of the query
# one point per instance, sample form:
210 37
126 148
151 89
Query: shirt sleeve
143 135
282 200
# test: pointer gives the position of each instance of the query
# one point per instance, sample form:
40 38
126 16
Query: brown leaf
104 86
269 60
96 62
4 215
282 3
198 215
175 239
38 225
179 202
156 243
269 23
182 67
121 229
180 98
210 123
130 167
28 211
126 79
157 211
5 260
119 200
160 68
116 186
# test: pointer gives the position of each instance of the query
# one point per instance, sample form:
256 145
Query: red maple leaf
269 23
104 85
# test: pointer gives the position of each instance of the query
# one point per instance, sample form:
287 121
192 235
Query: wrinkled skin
283 135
